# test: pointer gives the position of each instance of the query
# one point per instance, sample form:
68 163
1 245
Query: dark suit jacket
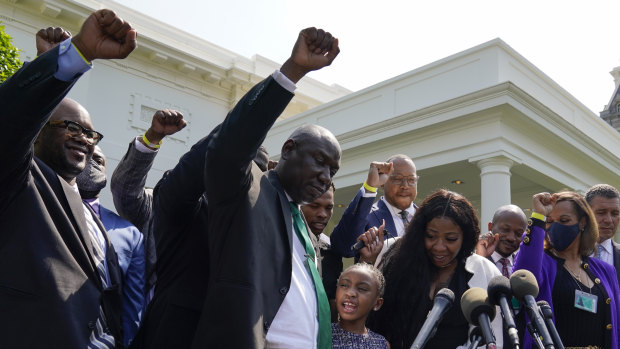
360 216
50 290
616 252
128 243
178 224
250 228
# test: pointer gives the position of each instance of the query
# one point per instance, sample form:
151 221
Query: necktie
403 215
505 262
98 338
599 251
325 332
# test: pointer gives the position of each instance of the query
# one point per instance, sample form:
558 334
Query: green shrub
9 56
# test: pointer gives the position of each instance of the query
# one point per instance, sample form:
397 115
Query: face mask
561 236
92 179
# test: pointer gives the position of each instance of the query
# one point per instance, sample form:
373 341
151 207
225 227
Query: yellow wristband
369 188
538 216
80 53
149 144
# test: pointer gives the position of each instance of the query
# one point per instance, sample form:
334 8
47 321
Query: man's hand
543 203
105 35
486 244
165 122
373 244
48 38
271 165
379 173
314 49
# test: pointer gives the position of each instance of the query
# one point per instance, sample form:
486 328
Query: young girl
360 290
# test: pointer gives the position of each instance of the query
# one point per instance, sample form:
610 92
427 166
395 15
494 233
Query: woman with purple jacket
582 291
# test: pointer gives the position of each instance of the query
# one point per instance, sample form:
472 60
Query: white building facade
485 116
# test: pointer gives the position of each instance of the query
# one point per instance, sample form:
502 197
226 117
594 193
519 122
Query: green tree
9 56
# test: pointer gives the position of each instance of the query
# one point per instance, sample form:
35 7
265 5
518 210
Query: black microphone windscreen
523 282
477 332
447 294
545 308
499 285
474 302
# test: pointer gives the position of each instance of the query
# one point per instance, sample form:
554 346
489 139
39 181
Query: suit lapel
616 254
383 212
284 205
75 212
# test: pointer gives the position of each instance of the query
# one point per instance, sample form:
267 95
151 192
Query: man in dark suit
127 240
132 200
397 176
52 293
262 289
605 203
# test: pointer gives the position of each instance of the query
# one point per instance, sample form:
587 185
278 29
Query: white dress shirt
398 221
606 252
496 257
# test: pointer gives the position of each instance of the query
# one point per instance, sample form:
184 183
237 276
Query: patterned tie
98 338
505 262
325 331
403 215
599 251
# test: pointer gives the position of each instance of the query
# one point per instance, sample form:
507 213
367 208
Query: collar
606 245
75 187
290 199
94 204
496 257
396 211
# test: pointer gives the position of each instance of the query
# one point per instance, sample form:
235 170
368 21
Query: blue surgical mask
561 236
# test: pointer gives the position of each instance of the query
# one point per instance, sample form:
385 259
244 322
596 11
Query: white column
495 186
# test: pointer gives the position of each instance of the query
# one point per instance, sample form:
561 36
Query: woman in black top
436 252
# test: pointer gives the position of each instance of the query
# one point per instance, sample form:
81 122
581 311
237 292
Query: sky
576 43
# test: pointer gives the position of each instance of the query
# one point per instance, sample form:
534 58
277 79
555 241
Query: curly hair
409 272
589 235
374 272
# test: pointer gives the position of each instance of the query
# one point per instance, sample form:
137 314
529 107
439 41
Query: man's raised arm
232 149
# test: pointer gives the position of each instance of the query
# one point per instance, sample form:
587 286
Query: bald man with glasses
60 282
399 180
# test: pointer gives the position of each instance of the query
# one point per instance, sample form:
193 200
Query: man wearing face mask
127 240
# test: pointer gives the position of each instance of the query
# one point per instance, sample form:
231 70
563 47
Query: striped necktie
99 338
325 330
505 271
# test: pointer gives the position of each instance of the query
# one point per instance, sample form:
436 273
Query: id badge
586 301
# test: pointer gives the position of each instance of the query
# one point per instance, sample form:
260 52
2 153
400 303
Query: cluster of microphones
478 306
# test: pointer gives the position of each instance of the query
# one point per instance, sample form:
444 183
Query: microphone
442 303
479 312
475 337
499 293
534 335
547 314
360 244
525 288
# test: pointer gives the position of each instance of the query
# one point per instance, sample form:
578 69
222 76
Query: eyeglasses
402 180
75 130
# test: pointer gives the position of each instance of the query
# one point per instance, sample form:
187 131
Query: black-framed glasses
75 130
405 180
